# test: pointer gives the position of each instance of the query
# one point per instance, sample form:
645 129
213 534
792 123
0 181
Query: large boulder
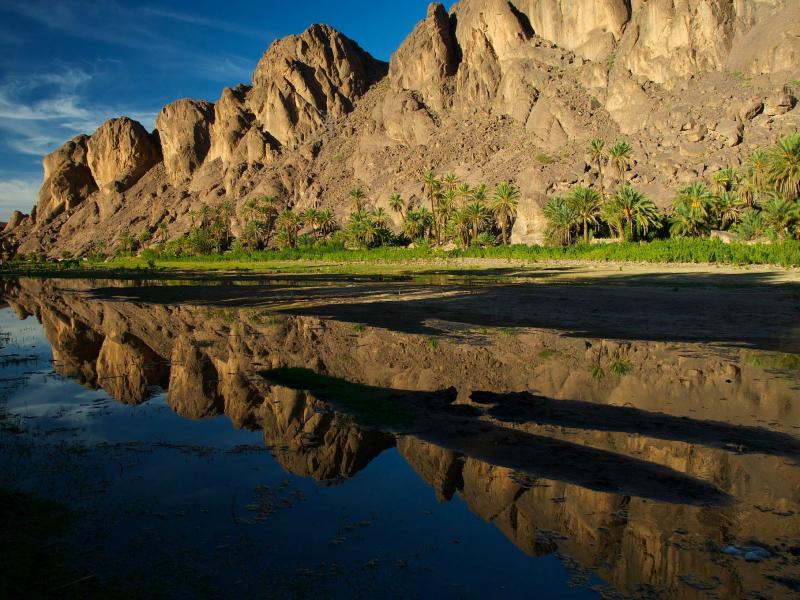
120 152
67 180
184 131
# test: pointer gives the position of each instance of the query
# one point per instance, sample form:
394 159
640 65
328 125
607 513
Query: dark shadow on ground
524 407
746 309
432 417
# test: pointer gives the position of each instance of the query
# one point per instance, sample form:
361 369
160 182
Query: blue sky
68 65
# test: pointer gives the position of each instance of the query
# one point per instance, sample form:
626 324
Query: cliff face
480 91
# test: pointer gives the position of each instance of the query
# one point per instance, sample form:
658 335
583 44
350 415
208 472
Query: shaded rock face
120 152
68 180
15 220
491 90
184 131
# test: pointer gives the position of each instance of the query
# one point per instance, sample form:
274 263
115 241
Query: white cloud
17 194
39 112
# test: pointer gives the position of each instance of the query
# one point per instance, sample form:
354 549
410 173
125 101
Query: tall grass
676 250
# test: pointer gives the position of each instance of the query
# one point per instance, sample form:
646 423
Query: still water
409 438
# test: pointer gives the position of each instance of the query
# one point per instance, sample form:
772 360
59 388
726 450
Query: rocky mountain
491 90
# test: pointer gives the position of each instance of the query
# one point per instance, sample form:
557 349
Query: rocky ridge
490 90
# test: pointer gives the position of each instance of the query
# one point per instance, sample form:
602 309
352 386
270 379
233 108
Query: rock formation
67 180
492 90
184 130
119 153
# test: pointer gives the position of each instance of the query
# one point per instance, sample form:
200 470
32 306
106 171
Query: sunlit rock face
120 152
184 132
128 369
68 180
193 382
302 80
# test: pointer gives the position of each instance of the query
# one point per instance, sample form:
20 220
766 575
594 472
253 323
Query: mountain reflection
643 473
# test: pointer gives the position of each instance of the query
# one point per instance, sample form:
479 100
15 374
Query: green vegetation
331 258
621 367
368 406
776 361
760 202
544 159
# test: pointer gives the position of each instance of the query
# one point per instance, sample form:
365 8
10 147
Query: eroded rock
120 152
67 180
184 131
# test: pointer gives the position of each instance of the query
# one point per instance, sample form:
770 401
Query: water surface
410 437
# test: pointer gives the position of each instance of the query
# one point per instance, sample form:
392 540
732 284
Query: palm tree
379 217
127 243
723 180
746 190
251 235
693 203
635 209
223 217
204 212
479 193
427 220
464 192
450 181
728 208
413 225
461 226
620 154
783 166
396 204
585 203
327 221
561 220
162 232
758 171
446 206
477 217
780 215
357 195
597 154
503 205
310 217
429 177
289 223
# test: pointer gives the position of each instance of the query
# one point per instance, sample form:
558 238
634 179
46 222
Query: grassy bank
397 259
